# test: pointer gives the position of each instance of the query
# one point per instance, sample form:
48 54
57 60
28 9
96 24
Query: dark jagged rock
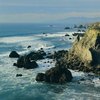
14 54
78 34
40 77
79 30
43 33
67 27
83 30
82 26
29 46
50 56
78 37
28 61
58 74
70 38
55 75
19 75
37 55
14 64
67 35
25 62
57 54
82 79
95 54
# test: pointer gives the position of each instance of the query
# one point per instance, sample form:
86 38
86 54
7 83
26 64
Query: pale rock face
89 46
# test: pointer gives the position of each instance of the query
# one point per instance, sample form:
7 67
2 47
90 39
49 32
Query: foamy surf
26 86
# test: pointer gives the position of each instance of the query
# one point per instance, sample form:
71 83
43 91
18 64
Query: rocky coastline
83 56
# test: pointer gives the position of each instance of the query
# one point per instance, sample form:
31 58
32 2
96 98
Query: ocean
51 38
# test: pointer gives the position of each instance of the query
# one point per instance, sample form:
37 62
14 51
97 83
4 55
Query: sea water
17 37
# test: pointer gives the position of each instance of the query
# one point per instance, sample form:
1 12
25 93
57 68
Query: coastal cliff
85 53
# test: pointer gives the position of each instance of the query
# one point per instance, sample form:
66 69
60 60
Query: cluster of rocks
55 75
67 34
57 54
58 74
81 30
78 34
28 61
77 26
80 26
67 27
83 56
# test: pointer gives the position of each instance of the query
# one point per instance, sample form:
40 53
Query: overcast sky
36 11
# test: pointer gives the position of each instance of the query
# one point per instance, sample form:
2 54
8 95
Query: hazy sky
46 10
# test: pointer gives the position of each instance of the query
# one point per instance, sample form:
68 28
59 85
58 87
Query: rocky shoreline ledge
83 56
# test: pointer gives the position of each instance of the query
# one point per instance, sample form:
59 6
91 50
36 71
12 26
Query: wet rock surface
25 62
36 55
14 54
57 54
19 75
55 75
28 61
40 77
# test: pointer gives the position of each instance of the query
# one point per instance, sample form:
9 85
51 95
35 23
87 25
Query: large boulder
14 54
58 75
25 62
40 77
55 75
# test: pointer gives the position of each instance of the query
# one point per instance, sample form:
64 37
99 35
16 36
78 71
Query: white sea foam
36 44
16 39
70 90
57 34
96 82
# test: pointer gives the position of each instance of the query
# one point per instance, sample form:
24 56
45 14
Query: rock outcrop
85 53
83 56
14 54
57 54
26 62
19 75
36 55
55 75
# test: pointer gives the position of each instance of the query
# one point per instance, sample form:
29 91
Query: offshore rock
25 62
14 54
55 75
